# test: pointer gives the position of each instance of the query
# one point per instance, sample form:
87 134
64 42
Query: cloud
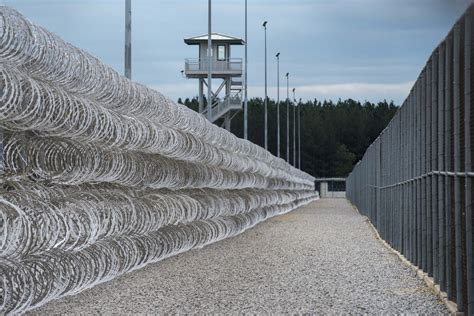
358 88
332 48
175 91
373 92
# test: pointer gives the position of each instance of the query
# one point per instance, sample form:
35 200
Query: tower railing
196 65
414 182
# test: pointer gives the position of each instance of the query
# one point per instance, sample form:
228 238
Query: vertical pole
427 166
246 135
209 60
423 180
413 200
378 182
299 136
266 92
418 173
406 176
441 167
450 253
434 165
128 39
468 160
294 129
457 167
288 117
201 95
278 104
227 122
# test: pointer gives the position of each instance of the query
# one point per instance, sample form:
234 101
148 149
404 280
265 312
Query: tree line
334 135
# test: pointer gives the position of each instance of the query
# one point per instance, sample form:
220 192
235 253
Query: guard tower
227 99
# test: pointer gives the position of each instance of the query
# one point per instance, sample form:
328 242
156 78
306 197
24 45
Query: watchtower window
221 52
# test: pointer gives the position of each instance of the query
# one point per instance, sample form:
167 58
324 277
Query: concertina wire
102 176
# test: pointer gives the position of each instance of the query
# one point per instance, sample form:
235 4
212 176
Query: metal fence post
434 166
457 165
441 167
449 215
468 129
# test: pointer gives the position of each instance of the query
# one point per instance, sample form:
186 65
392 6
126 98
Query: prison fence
101 176
415 180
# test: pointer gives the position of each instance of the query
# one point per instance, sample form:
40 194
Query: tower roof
215 37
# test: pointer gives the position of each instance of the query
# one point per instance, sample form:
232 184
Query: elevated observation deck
198 68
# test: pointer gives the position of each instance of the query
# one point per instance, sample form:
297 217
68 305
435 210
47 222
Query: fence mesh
415 181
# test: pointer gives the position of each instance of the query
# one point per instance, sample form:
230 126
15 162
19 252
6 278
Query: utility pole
294 129
246 114
128 39
278 104
266 94
209 60
288 117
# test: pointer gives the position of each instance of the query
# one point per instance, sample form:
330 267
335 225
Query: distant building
331 187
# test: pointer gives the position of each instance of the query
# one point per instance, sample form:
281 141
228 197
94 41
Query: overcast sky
363 49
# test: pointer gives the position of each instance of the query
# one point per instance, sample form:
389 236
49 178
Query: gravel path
321 258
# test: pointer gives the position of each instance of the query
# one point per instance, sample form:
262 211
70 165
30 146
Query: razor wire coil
101 176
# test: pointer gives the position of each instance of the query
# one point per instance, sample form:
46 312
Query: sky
361 49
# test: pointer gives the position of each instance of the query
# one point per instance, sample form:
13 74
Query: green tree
334 135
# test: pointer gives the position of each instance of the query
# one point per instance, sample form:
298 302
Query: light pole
299 129
209 60
288 117
266 95
294 129
278 104
246 114
128 39
299 134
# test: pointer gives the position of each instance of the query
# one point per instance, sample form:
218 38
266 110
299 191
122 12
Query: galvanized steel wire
101 176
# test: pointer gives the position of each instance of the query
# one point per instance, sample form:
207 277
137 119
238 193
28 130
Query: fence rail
415 181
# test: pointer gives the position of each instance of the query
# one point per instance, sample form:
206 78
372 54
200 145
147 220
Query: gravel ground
321 258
